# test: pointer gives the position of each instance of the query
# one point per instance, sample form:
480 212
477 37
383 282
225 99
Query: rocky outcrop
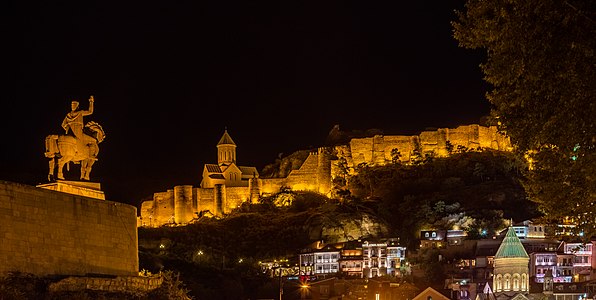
335 228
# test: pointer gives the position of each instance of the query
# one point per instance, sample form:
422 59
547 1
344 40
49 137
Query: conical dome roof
511 246
226 139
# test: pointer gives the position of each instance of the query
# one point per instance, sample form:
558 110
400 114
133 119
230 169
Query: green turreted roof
226 139
511 246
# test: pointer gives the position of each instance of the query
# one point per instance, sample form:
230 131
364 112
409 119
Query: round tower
226 150
254 188
183 212
324 171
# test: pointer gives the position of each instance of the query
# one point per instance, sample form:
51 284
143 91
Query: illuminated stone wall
163 207
235 196
318 169
205 199
183 208
183 203
272 185
377 150
45 232
314 175
117 284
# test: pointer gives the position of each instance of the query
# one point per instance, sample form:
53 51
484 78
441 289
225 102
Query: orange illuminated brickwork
226 185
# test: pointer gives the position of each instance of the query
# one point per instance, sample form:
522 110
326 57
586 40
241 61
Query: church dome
511 246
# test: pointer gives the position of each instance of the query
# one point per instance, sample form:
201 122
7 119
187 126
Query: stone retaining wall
117 284
44 232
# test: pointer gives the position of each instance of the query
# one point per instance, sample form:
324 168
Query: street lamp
303 290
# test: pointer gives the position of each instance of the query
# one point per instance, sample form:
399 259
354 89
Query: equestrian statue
78 145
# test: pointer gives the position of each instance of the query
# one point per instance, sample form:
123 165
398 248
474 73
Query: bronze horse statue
63 149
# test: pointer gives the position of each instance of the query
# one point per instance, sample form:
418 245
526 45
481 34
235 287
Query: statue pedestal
81 188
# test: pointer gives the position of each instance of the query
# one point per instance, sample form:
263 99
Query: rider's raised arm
90 110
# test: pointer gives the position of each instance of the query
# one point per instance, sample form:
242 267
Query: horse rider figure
73 121
75 146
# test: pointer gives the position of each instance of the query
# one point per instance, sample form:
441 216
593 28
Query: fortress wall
235 196
484 137
324 171
272 185
309 166
377 150
433 141
378 145
163 207
51 233
303 182
344 151
464 135
403 143
491 138
318 169
305 178
183 210
146 218
205 200
361 150
254 188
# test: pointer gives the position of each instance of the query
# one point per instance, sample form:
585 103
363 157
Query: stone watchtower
226 150
324 170
511 266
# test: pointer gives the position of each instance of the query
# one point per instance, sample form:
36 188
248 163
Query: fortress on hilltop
226 185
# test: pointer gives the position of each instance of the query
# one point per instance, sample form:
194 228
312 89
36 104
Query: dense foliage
540 63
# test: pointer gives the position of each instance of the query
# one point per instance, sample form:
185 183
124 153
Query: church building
511 266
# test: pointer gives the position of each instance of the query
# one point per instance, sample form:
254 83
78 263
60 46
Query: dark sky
169 76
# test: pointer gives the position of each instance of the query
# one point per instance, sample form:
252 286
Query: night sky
169 76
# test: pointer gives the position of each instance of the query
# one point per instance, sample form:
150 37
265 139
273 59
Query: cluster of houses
522 262
354 259
474 259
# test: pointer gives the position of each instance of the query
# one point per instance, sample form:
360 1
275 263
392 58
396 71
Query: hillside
470 189
474 190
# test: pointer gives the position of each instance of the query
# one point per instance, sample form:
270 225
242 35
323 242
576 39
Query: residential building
350 261
320 259
582 261
434 239
382 258
559 264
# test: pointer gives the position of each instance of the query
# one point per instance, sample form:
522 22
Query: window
434 234
426 234
523 283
